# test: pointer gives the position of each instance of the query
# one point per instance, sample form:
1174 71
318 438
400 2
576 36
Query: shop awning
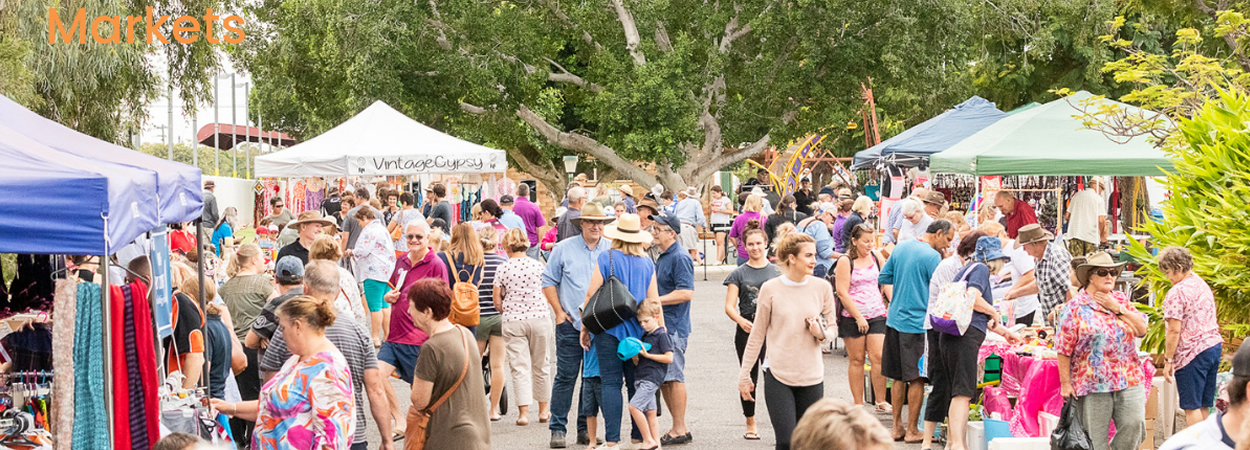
1049 140
223 136
178 185
381 141
53 202
910 147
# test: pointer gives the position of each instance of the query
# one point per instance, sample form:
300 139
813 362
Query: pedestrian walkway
714 414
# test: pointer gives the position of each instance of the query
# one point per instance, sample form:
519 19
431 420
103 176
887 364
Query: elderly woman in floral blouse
1194 344
1098 364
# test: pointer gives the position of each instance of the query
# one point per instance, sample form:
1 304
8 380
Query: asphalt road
714 415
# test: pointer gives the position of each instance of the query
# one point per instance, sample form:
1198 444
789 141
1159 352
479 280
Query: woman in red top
180 240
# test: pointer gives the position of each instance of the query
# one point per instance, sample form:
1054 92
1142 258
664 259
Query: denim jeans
568 371
614 373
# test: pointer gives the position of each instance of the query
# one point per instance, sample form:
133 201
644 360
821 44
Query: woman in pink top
1193 347
787 321
750 211
862 322
527 327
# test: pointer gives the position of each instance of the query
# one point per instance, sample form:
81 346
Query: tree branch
564 76
544 171
732 33
632 40
661 38
579 143
567 21
472 109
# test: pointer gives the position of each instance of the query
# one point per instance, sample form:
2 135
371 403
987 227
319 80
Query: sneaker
557 440
582 438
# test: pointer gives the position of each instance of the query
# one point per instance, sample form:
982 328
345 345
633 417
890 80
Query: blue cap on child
631 347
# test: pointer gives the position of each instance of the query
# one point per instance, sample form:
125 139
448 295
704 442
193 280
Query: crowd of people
375 286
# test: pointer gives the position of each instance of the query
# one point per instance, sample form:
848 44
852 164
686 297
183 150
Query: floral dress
1101 347
374 256
308 405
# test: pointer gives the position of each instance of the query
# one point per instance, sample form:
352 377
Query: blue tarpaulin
178 185
52 202
932 136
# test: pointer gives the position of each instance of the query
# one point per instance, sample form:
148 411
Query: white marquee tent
381 141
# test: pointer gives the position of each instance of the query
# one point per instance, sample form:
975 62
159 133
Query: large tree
660 91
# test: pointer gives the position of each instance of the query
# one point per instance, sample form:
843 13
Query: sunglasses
416 237
1106 272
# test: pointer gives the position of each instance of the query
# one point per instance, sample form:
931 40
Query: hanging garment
295 198
64 311
30 349
135 402
31 288
314 193
90 420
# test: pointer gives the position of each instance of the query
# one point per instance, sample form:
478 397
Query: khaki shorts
1077 247
688 237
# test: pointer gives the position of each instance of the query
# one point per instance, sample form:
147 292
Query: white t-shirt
908 231
1206 435
1086 206
1021 263
721 218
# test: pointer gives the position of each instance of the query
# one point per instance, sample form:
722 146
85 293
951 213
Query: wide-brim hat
649 204
591 211
989 248
209 184
1031 233
628 228
309 217
935 198
625 189
1096 261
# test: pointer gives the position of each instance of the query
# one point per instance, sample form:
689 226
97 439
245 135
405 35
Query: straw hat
1096 261
309 217
592 212
626 189
1031 233
627 228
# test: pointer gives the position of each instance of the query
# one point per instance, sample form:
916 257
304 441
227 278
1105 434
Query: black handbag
611 305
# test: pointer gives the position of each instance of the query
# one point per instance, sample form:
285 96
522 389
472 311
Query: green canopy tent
1048 140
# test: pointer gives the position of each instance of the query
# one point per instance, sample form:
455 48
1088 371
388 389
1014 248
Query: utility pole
216 127
171 118
195 137
247 155
234 132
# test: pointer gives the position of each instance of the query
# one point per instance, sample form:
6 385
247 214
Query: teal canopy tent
1049 140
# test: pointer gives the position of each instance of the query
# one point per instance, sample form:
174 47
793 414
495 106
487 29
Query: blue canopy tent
54 202
913 146
178 185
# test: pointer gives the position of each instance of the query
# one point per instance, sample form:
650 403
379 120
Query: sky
154 130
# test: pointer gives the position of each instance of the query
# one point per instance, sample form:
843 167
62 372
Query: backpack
465 310
833 283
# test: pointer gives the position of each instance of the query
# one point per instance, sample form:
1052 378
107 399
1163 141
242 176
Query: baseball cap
667 220
507 199
289 270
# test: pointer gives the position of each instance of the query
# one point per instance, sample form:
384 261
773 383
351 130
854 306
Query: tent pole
105 301
216 127
199 268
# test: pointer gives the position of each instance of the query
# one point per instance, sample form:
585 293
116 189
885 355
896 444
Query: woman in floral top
373 259
1194 344
1098 364
309 403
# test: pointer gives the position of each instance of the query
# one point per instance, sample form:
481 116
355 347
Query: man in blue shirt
690 212
509 219
818 228
565 283
908 270
674 281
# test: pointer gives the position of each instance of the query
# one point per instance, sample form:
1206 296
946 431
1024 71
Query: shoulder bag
611 305
419 421
398 232
952 312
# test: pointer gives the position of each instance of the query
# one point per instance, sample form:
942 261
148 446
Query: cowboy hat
592 212
935 198
309 217
627 228
1031 233
1094 261
649 204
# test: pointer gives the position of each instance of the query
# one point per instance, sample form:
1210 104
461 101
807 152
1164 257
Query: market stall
382 142
912 147
57 199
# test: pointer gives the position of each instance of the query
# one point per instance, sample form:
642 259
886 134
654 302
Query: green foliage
182 154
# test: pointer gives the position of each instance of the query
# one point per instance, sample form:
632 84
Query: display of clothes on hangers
25 399
188 411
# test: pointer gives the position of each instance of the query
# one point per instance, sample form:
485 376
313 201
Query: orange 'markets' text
184 29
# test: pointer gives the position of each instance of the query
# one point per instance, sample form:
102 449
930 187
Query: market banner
162 293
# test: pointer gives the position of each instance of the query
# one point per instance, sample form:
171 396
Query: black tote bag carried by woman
611 305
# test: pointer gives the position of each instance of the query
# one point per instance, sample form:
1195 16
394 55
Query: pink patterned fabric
1102 347
1192 302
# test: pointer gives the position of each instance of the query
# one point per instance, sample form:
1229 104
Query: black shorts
847 329
956 357
900 359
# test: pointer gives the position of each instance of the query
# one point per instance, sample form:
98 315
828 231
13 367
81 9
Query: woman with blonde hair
349 299
750 211
464 259
860 211
835 425
796 381
245 294
527 328
489 330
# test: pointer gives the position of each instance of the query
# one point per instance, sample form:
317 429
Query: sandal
751 436
885 408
